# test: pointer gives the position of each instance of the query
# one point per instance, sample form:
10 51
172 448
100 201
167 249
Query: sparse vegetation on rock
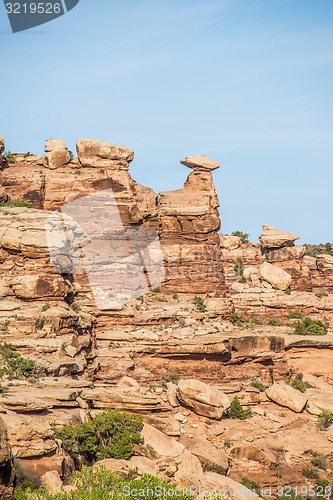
237 411
13 365
240 234
309 326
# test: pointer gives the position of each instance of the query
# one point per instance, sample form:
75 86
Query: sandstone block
275 276
200 162
272 238
2 144
202 398
101 154
56 159
285 395
55 145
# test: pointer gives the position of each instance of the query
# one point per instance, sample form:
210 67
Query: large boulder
200 163
230 242
157 445
2 144
275 276
101 154
56 159
7 472
55 145
272 238
285 395
4 196
202 398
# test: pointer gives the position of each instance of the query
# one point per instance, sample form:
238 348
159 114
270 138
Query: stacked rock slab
189 224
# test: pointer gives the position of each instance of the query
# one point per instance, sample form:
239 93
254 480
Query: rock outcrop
271 238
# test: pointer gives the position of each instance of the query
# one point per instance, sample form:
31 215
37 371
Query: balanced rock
101 154
271 238
275 276
202 398
55 145
285 395
200 163
230 242
2 144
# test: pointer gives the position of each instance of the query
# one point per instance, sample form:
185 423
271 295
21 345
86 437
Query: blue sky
247 82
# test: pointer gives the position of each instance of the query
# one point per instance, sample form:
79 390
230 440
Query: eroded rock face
101 154
202 398
275 276
271 237
7 473
285 395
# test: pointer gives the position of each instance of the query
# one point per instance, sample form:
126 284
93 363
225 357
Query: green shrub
156 290
28 154
4 327
296 315
237 411
239 267
315 250
298 385
170 377
310 472
243 236
258 385
18 203
274 321
175 295
252 485
227 442
287 291
236 319
257 321
325 419
242 280
3 389
71 155
320 295
45 307
8 157
108 435
99 484
75 307
199 303
319 462
309 326
14 365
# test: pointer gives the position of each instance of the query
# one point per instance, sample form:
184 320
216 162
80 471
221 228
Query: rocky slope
121 355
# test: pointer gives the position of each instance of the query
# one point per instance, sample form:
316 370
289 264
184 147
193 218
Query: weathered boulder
157 445
230 242
200 162
275 276
211 458
272 238
202 398
285 395
52 482
226 487
101 154
172 394
56 159
55 145
2 144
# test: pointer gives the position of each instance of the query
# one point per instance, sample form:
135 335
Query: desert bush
257 321
325 419
298 385
109 435
8 157
287 291
310 472
18 203
239 267
243 236
319 462
309 326
45 307
296 315
100 484
156 290
274 321
236 319
171 377
252 485
75 307
320 295
258 385
315 250
14 365
199 303
237 411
